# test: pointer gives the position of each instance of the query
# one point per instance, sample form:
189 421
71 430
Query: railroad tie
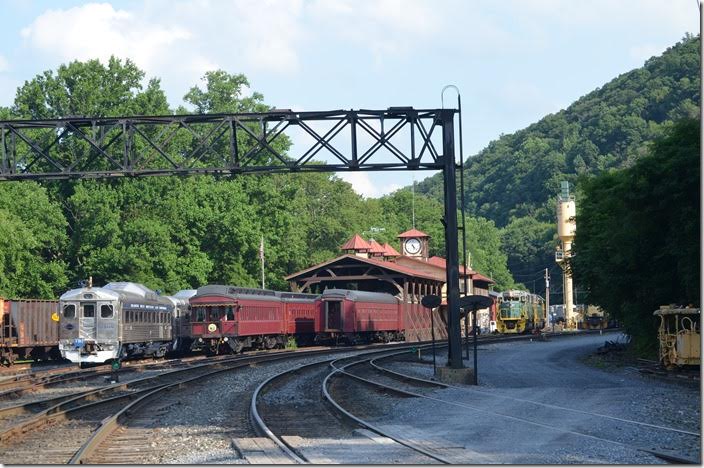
260 450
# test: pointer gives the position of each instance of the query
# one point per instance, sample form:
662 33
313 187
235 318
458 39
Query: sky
513 61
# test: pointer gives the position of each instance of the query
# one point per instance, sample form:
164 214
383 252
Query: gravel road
507 425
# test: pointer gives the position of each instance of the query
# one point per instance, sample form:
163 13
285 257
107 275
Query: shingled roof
356 243
412 233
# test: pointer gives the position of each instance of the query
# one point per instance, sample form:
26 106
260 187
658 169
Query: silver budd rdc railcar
118 320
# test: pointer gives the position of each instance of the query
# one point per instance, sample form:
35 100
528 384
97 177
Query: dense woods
514 181
638 242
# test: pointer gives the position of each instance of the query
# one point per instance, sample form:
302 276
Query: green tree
637 244
32 242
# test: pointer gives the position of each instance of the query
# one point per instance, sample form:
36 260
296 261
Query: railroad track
124 434
292 412
279 402
12 388
371 374
115 422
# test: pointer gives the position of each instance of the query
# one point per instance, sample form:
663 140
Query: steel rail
538 403
665 456
111 423
263 429
367 424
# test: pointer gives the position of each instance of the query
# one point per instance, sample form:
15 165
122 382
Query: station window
105 311
88 310
70 311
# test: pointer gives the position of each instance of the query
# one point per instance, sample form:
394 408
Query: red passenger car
360 316
237 318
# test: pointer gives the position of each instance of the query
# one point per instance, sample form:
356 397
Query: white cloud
4 65
97 30
363 184
175 41
385 27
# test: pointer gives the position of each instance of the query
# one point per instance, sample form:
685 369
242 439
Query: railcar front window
105 311
70 311
88 311
200 314
230 313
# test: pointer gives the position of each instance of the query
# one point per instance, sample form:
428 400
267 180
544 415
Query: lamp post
432 301
474 302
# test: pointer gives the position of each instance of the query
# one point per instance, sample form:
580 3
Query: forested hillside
171 233
638 246
515 179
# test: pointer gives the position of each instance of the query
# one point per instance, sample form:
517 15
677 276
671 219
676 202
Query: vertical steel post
474 335
466 335
432 333
453 277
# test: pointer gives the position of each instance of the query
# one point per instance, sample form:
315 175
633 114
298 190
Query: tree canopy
171 233
637 245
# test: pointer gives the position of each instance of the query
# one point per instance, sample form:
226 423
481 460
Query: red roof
412 233
356 243
388 265
390 251
480 277
442 263
376 247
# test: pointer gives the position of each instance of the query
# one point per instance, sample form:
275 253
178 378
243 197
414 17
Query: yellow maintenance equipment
679 335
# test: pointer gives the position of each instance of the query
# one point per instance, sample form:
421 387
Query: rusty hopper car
360 316
30 330
119 320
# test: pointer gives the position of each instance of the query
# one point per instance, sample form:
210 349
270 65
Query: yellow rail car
520 312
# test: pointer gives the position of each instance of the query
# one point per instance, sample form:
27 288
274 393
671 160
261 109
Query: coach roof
359 296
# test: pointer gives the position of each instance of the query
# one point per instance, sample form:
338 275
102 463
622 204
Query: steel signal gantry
398 138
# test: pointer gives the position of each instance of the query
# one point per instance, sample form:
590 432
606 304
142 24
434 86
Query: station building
366 265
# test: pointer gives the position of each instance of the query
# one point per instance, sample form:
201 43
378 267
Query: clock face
413 246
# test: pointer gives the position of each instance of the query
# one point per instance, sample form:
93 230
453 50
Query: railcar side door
86 321
333 315
105 322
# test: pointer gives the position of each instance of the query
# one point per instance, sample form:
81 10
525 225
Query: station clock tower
414 243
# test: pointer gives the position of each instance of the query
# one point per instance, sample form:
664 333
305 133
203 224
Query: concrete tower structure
566 229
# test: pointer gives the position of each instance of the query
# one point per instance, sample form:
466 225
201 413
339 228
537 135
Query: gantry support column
453 272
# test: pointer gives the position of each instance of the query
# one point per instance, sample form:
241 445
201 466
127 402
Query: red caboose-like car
237 318
360 316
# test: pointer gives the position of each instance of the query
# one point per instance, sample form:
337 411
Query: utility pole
547 295
261 257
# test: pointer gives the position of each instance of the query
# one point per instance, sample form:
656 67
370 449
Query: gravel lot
512 431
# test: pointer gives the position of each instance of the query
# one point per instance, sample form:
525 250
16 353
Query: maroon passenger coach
230 318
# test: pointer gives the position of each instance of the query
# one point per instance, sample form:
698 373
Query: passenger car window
105 311
200 314
230 314
70 311
88 310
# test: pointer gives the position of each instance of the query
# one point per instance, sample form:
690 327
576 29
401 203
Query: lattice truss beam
354 140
